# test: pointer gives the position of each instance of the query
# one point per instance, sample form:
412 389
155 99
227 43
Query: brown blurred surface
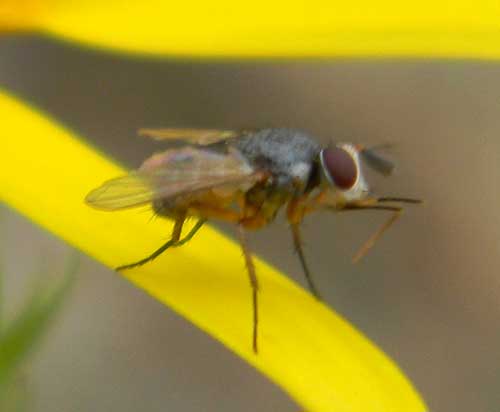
428 293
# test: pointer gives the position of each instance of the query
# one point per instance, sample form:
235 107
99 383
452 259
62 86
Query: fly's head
342 179
345 188
341 171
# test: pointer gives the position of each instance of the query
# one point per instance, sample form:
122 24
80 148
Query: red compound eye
340 167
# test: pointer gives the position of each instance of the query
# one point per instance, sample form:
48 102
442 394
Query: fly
245 178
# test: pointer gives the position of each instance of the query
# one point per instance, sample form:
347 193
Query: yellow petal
17 15
312 353
293 28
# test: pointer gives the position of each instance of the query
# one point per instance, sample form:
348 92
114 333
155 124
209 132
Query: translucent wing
202 137
170 174
376 161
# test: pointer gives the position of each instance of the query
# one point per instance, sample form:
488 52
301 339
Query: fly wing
376 161
171 174
201 137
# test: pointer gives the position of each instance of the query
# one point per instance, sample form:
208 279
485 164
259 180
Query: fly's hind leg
174 241
191 233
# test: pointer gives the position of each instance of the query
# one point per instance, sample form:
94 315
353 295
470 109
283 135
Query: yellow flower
312 353
295 28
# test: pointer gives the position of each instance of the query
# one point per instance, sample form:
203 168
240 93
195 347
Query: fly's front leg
300 206
297 208
297 243
313 204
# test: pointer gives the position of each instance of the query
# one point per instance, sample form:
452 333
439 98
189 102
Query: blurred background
427 294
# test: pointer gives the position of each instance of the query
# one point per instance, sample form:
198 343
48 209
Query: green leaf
20 335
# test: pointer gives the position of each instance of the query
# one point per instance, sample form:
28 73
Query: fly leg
397 210
243 220
373 238
295 213
191 233
297 243
174 241
253 283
